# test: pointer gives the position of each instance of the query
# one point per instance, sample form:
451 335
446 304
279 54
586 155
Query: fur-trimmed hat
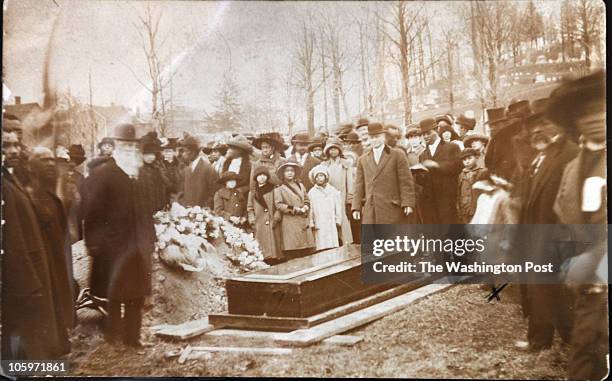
468 139
316 170
227 176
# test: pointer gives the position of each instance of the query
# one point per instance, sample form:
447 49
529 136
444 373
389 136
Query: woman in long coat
264 216
291 200
341 177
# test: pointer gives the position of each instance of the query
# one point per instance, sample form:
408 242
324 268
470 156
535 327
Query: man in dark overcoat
439 195
579 107
198 179
30 324
119 235
385 183
545 301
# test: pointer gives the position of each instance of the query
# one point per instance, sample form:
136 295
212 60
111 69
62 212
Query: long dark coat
31 328
387 188
295 228
439 194
54 228
153 187
172 171
267 223
119 235
198 187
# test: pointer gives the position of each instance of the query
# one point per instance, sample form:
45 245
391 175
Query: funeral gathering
131 233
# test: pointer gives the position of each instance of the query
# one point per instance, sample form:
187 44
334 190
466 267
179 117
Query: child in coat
291 199
466 195
264 217
326 209
229 202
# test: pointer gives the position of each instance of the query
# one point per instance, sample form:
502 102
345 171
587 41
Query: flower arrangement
184 235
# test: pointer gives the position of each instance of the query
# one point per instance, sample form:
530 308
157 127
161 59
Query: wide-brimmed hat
240 142
125 132
495 114
272 138
568 101
427 125
375 128
351 138
468 152
261 170
446 118
443 129
316 170
148 144
468 139
466 122
227 176
290 163
362 122
519 109
331 143
76 153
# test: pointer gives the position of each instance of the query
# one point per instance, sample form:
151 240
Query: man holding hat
579 108
198 182
385 183
440 182
120 237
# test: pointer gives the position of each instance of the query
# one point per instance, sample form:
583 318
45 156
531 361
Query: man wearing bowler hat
440 182
120 237
361 128
384 187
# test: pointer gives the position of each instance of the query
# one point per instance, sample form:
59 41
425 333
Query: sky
202 41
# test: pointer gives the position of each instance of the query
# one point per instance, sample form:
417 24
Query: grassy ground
452 334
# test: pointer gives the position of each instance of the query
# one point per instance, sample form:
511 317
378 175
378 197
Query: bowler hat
302 138
466 122
375 128
468 139
469 152
241 143
272 138
290 163
495 114
519 109
227 176
125 132
427 125
76 153
351 138
362 122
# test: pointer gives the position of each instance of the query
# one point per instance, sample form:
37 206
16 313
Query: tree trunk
324 72
310 111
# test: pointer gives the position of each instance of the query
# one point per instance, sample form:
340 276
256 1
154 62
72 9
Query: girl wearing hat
291 200
449 135
272 151
341 177
229 202
326 209
264 217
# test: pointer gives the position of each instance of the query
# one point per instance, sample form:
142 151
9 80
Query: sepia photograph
382 189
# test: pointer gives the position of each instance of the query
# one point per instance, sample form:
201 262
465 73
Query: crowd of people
299 195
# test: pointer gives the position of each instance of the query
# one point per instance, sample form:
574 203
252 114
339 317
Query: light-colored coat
341 177
326 214
387 187
295 228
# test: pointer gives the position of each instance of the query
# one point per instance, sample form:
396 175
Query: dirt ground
451 334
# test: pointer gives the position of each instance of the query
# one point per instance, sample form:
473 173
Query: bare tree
324 75
589 16
450 47
306 68
568 29
403 27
